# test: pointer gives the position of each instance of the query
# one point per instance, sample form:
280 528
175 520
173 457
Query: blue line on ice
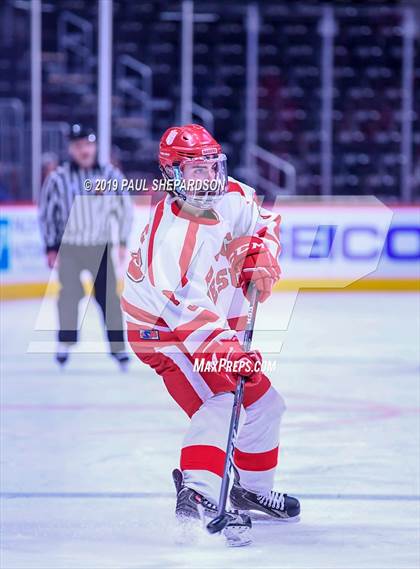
142 495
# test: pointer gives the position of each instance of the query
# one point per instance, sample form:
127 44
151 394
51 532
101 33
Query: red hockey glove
251 261
247 364
229 360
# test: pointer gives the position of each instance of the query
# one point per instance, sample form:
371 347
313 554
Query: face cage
202 193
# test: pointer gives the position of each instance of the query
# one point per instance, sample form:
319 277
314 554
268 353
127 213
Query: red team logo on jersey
134 271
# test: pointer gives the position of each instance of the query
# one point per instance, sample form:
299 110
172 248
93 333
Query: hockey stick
219 522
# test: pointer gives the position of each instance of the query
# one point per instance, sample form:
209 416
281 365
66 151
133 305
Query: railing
205 115
272 184
80 43
12 147
127 86
55 138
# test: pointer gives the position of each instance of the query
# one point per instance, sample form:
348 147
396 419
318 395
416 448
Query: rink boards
341 245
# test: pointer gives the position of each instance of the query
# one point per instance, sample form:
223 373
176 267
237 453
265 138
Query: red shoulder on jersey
235 187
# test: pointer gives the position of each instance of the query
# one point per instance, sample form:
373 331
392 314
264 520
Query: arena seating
367 83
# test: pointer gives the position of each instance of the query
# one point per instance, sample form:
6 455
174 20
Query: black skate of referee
76 224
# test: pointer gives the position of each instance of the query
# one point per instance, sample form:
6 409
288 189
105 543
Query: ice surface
87 453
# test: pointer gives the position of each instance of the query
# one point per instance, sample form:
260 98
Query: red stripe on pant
203 457
256 461
175 381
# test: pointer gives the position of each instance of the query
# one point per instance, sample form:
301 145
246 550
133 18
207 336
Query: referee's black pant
72 260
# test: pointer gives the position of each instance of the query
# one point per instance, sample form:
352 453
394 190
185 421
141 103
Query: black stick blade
217 524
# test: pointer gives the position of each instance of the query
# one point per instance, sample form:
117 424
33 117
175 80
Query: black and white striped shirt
71 213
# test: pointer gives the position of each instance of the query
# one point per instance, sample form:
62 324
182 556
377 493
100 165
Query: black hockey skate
122 359
62 354
275 504
192 506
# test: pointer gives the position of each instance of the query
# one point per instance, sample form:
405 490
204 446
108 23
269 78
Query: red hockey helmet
191 158
188 141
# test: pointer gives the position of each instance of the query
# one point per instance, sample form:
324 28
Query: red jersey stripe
203 457
142 315
185 330
274 235
235 187
256 461
187 251
156 220
165 336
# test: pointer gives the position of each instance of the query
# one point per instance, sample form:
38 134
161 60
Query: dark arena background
317 106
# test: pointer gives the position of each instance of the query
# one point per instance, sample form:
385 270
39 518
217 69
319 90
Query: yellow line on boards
340 285
14 291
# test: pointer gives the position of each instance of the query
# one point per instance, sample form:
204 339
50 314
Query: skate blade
237 536
260 517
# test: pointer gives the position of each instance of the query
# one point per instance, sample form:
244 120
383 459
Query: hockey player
185 301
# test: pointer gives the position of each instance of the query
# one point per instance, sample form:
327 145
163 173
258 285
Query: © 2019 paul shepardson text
156 185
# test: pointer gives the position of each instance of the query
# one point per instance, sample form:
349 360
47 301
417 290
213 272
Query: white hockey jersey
179 287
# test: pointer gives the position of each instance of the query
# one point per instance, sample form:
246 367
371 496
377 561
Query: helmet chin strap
178 178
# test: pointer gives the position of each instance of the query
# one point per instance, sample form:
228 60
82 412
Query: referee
77 211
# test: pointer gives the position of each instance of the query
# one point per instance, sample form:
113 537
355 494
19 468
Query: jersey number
216 283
